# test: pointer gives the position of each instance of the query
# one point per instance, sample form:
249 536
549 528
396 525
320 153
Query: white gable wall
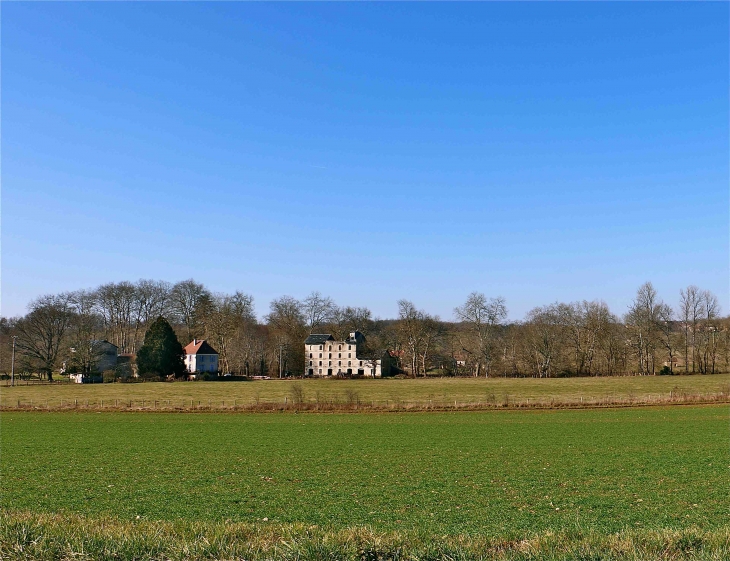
201 363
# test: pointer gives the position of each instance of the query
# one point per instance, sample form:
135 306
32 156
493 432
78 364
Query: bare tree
152 300
643 320
288 327
706 332
85 332
187 298
690 308
317 310
666 331
228 317
543 338
432 333
116 302
584 323
42 331
483 317
414 328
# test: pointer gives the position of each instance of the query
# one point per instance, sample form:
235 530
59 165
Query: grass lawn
418 392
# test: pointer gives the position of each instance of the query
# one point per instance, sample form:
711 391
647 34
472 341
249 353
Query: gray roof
318 338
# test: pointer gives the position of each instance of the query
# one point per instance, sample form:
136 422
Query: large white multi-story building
325 356
201 357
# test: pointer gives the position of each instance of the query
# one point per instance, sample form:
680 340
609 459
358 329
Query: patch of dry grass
442 393
55 537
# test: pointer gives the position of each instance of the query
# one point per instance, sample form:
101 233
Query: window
349 363
320 355
310 363
310 355
361 363
349 355
320 348
330 363
348 348
330 356
339 363
340 348
339 355
320 363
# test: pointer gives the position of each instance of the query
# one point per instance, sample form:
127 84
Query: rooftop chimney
195 341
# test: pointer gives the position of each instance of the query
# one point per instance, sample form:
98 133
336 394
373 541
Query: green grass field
631 483
451 473
389 392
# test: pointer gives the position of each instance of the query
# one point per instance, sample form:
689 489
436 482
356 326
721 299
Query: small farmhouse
98 356
201 357
106 355
326 356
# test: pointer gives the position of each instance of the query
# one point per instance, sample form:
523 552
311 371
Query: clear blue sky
542 152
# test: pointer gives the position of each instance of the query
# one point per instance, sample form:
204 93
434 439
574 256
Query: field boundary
26 535
333 406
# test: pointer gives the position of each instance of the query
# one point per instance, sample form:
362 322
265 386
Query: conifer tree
161 354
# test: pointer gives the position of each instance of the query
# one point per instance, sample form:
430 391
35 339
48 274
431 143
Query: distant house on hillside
201 357
325 356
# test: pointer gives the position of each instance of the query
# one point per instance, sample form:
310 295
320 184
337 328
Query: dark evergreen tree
161 354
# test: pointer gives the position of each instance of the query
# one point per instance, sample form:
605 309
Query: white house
201 357
325 356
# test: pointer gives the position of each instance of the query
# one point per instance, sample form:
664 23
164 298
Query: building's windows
339 355
339 363
361 363
320 347
330 355
329 348
320 363
329 363
349 363
310 363
340 348
349 355
348 348
320 355
310 355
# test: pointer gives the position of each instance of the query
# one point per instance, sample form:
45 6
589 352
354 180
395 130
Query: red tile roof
200 347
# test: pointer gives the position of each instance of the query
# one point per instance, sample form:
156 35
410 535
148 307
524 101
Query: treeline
560 339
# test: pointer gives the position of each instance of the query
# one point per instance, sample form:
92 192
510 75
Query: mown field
461 478
379 393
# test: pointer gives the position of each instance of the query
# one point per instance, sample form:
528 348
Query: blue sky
541 152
